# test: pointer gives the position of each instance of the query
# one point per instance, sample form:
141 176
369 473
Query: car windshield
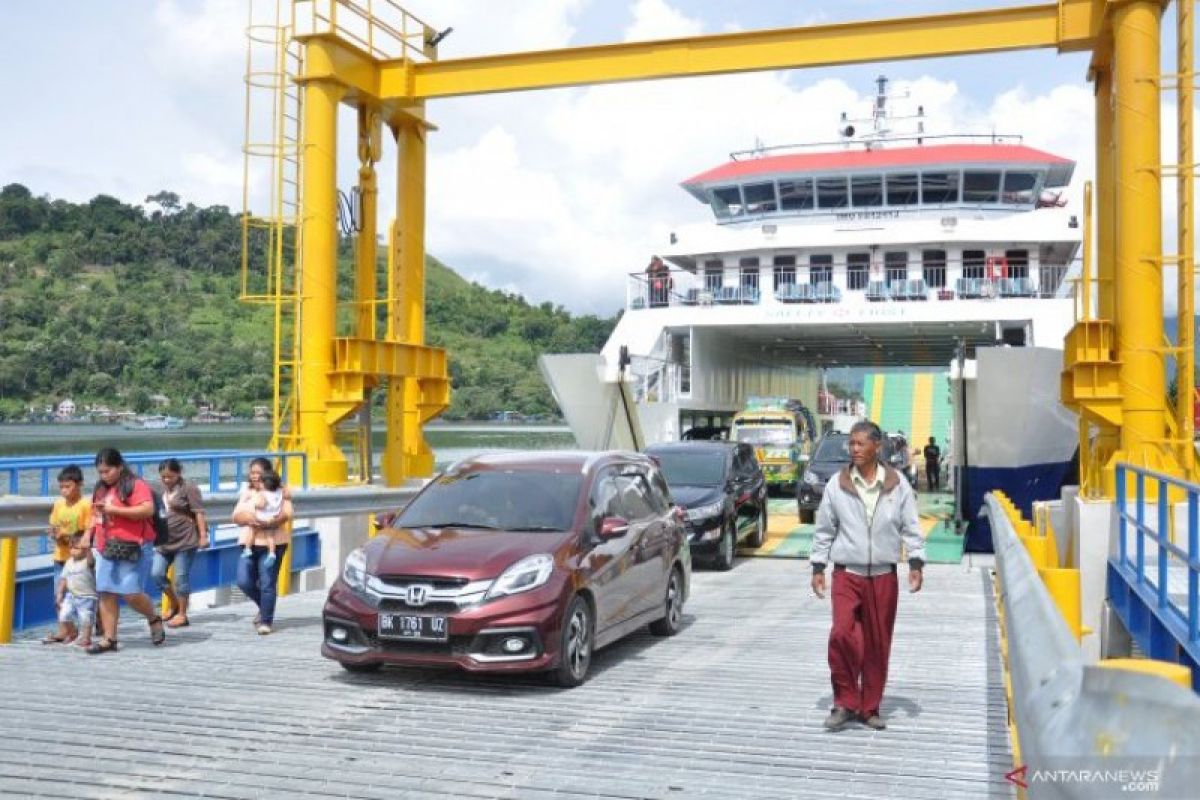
833 448
514 500
766 434
684 468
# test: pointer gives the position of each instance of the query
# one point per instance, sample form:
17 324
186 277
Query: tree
139 400
167 201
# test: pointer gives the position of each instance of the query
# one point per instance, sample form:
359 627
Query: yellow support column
318 282
1136 32
406 453
1063 586
283 585
1186 360
8 586
370 150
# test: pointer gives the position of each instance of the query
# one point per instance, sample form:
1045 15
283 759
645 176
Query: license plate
410 626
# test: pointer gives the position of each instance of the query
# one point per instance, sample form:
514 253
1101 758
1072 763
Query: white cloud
200 36
654 19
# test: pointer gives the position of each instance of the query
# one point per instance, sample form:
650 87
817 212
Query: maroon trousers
864 614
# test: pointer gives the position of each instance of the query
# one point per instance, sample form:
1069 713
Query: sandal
159 636
178 621
101 646
54 638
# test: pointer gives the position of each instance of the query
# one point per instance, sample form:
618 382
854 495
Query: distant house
66 409
261 413
160 400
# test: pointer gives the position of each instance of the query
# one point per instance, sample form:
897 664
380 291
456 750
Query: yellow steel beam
1067 25
1186 362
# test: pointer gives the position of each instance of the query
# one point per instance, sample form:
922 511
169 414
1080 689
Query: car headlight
527 574
705 511
811 478
354 571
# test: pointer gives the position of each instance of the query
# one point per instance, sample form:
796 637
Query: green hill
110 303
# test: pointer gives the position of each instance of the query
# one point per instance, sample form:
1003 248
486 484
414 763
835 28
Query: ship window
727 202
796 195
939 187
866 191
1019 188
1018 263
896 266
902 190
832 193
785 270
974 264
858 270
714 275
933 268
748 269
820 269
760 197
981 187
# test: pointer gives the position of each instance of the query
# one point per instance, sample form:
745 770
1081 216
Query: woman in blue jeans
256 576
188 529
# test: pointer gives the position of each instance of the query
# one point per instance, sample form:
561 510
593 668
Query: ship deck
730 708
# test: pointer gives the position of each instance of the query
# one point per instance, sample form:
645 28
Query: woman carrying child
258 574
188 529
123 536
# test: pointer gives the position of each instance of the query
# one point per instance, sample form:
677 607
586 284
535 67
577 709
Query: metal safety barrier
1152 614
1083 731
25 596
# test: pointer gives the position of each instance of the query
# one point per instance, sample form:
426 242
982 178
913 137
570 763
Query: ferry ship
942 265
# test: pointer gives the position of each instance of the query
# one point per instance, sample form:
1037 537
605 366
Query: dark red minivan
515 563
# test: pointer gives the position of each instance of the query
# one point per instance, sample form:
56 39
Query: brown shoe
874 722
837 719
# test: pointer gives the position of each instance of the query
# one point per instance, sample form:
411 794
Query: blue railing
45 468
1160 625
214 567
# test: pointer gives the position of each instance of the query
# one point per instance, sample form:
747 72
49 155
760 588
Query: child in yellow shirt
70 516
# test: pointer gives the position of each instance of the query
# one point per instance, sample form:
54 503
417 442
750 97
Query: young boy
75 596
70 516
268 504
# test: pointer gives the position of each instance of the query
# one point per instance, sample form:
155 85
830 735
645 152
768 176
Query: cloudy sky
555 194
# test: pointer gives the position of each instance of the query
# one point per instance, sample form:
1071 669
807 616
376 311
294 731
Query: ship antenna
920 125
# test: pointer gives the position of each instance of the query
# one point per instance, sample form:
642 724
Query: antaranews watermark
1124 776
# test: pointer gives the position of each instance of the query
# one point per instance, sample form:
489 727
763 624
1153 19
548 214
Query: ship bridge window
727 202
974 264
866 191
1020 188
933 268
832 193
759 197
820 269
796 195
981 187
748 273
938 188
858 271
903 189
785 270
896 266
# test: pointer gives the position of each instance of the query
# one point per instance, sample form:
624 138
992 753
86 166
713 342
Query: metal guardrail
1084 731
212 460
1162 628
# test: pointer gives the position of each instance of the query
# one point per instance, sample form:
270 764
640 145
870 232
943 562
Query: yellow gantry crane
376 57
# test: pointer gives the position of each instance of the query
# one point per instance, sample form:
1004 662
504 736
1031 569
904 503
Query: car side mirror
613 528
383 519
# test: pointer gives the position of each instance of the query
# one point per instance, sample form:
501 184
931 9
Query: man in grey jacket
866 512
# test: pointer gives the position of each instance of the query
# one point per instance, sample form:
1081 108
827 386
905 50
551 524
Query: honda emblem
417 595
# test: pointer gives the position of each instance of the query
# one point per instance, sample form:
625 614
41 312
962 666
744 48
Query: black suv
830 455
721 487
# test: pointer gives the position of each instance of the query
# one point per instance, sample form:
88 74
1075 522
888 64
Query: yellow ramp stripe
922 409
876 409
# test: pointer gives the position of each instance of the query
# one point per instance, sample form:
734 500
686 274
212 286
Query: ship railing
876 143
1154 577
678 287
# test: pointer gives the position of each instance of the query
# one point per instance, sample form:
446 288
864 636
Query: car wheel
759 537
361 668
575 646
670 623
726 547
807 516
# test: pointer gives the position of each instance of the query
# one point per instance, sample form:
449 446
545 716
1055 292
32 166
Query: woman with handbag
123 536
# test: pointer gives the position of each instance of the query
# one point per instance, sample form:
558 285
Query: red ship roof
861 159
